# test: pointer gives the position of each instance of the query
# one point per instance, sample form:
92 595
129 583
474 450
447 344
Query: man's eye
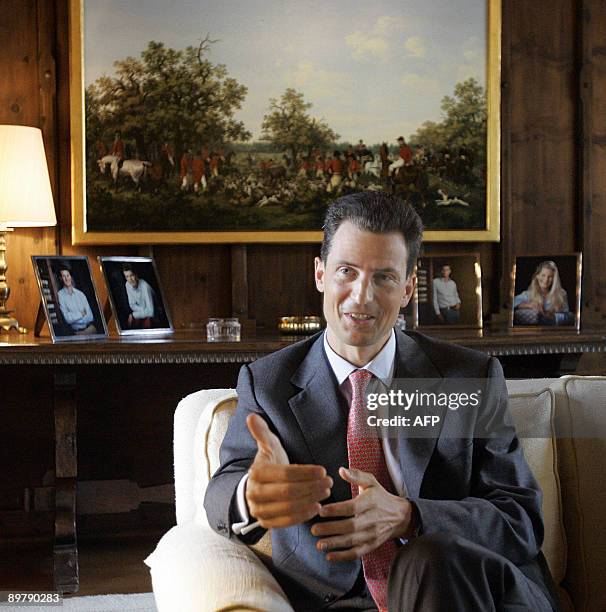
344 270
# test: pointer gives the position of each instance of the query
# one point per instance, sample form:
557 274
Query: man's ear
319 274
409 289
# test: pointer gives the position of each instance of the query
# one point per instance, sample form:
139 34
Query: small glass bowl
223 330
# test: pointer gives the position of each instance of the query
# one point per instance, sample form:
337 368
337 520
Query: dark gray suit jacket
480 489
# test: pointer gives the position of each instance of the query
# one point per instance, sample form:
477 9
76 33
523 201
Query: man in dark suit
360 523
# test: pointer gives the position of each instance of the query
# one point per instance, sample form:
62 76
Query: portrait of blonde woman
545 301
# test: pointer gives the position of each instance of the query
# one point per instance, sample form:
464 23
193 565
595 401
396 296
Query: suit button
221 526
329 597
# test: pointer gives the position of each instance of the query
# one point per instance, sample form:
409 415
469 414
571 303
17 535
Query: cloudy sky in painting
373 69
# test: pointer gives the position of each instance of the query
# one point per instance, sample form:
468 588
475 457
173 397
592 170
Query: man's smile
359 318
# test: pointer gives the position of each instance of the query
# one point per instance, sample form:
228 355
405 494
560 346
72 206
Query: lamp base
7 322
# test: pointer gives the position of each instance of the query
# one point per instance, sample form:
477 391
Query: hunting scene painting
253 117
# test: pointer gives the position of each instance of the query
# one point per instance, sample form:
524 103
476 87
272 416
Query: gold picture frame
84 233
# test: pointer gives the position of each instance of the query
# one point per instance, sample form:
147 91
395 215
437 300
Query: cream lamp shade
26 199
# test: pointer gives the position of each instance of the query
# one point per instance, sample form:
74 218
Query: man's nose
362 291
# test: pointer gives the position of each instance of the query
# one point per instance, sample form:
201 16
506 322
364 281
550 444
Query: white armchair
195 569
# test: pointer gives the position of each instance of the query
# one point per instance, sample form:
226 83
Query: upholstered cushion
533 413
210 432
190 480
581 404
193 569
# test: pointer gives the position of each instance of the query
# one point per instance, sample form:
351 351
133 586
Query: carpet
135 602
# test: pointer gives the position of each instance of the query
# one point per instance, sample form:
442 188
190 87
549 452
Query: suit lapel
414 453
322 417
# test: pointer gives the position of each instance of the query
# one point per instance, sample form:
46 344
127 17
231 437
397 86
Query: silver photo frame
136 297
448 294
546 292
69 298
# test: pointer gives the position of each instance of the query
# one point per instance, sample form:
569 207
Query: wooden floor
106 566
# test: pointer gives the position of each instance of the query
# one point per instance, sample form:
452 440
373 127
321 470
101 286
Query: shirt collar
382 365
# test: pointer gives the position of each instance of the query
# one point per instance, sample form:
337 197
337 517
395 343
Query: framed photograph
546 291
449 291
69 297
135 295
205 123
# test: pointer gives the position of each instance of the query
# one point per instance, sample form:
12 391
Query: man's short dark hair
63 265
126 267
377 212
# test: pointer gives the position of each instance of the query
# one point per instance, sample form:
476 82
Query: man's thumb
259 431
357 477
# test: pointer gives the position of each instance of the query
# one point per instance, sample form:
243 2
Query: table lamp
26 199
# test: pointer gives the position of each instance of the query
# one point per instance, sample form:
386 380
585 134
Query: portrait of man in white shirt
446 300
140 299
74 305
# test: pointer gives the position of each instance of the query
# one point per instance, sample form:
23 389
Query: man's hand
371 518
279 494
532 306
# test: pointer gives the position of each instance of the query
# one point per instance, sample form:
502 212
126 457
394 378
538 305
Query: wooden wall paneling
63 134
18 65
543 121
239 288
20 104
47 85
196 280
595 257
585 149
239 281
46 65
281 283
504 248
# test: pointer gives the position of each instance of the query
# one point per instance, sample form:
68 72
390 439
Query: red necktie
365 453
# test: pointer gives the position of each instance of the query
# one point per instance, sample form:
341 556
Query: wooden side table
190 348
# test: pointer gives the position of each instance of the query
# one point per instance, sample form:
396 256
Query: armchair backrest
199 426
571 470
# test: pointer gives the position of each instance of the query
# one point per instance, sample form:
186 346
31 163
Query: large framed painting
207 122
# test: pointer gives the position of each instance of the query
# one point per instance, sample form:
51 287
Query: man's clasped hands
279 494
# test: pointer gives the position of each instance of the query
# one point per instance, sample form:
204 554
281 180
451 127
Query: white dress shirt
140 299
445 294
75 308
382 366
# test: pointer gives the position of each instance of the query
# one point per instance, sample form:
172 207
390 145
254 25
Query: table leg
66 470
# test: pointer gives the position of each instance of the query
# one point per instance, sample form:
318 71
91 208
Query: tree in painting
290 128
167 96
166 151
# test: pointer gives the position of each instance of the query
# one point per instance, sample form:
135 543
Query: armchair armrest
194 569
